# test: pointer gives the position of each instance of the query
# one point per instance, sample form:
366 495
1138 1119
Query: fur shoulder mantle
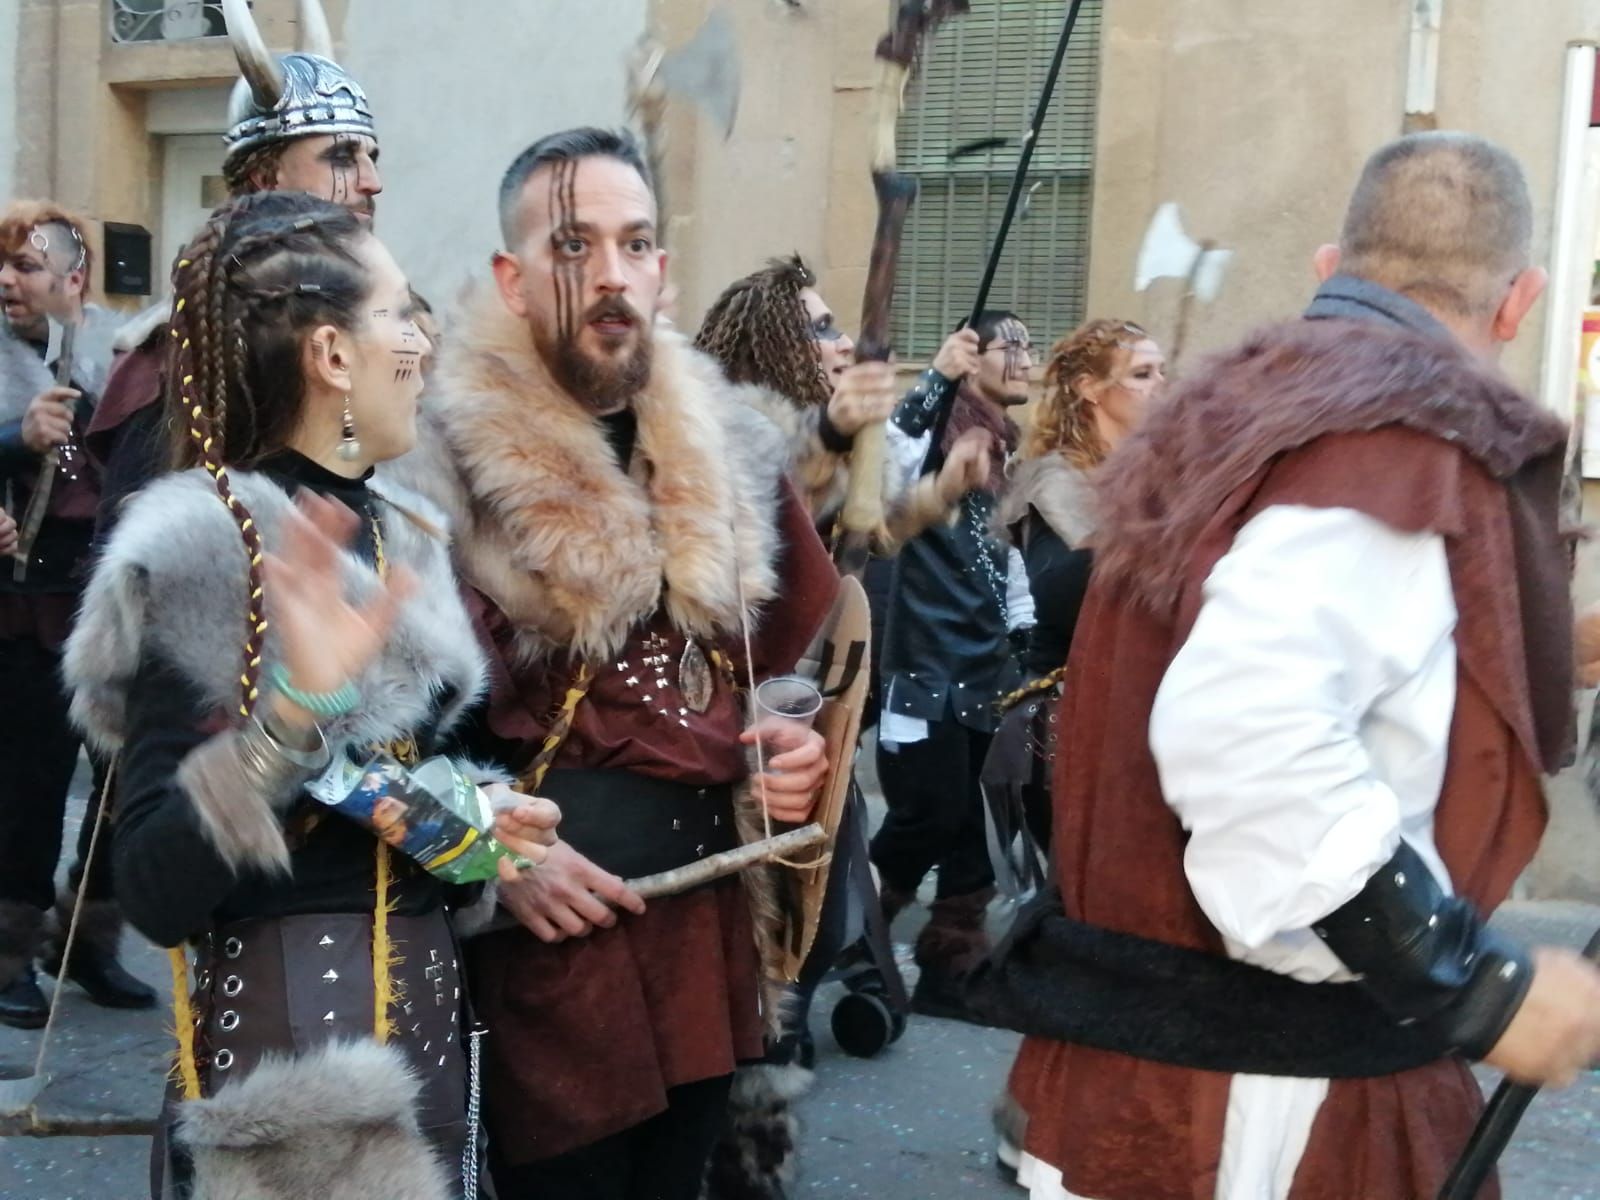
1281 389
172 582
574 549
23 374
1058 491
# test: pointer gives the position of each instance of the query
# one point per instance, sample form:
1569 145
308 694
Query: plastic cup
781 703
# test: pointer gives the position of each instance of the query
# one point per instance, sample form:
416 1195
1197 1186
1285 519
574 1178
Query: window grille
166 20
981 79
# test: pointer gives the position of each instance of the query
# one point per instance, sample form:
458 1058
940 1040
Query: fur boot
754 1159
96 965
338 1123
21 931
950 946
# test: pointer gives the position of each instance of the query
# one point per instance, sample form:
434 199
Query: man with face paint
297 122
957 594
44 273
624 527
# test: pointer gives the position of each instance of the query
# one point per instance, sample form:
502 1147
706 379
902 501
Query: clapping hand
327 641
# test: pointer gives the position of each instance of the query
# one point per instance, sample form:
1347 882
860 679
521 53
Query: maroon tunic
588 1034
1325 415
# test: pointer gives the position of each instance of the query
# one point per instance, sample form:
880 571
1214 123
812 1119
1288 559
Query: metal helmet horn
294 95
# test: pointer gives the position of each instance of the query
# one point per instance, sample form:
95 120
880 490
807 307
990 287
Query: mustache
612 308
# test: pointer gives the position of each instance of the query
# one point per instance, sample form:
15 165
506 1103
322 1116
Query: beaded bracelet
326 705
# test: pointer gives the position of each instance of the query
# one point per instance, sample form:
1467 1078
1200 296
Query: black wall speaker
127 258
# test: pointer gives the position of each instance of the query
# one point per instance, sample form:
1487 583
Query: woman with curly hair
1098 383
773 332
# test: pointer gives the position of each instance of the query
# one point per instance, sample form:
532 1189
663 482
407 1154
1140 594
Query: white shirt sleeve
1019 596
904 458
1302 728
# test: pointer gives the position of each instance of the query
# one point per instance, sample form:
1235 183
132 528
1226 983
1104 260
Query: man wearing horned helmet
296 122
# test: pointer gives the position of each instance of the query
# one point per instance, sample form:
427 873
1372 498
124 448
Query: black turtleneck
293 471
170 880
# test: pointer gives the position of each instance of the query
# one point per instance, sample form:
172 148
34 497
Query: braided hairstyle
265 269
1064 423
253 170
758 330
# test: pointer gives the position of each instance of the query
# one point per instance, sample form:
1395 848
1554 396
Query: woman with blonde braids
268 612
1098 383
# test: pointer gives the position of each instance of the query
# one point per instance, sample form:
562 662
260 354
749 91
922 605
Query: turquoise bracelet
326 705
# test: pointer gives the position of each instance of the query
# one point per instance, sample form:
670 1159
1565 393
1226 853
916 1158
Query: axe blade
705 70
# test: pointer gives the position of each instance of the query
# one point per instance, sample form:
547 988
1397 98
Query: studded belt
288 984
633 825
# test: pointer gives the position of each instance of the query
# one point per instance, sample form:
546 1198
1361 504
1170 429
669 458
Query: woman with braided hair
1099 381
773 332
261 617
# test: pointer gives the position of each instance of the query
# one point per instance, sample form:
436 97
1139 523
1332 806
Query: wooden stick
729 862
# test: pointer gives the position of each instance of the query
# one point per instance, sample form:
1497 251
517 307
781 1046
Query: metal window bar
1044 273
166 20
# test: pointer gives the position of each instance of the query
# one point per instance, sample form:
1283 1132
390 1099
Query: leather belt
633 825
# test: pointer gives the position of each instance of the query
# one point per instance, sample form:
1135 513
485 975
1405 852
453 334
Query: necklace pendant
694 677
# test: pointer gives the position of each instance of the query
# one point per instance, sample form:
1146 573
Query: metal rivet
232 986
442 1057
1433 921
330 976
229 1021
1509 971
203 981
450 1037
232 948
1399 879
700 849
327 1017
223 1060
676 825
438 999
325 940
433 956
426 1046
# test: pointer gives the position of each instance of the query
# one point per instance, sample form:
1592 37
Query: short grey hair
1443 218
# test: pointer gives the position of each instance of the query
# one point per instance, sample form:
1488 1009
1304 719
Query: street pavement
910 1125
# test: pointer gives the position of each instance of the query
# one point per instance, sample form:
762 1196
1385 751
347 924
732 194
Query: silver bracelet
315 759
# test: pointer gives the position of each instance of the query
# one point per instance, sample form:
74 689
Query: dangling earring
349 446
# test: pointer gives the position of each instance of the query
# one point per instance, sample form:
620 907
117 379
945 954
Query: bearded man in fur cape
633 550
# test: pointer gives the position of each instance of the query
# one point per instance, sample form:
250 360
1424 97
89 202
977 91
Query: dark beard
600 385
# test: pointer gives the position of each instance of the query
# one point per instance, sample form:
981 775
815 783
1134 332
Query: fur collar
1058 491
572 548
23 374
172 582
143 325
1283 388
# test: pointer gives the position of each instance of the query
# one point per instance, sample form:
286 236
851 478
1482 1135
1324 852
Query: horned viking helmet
294 95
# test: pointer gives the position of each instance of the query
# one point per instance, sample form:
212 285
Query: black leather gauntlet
1428 957
915 414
